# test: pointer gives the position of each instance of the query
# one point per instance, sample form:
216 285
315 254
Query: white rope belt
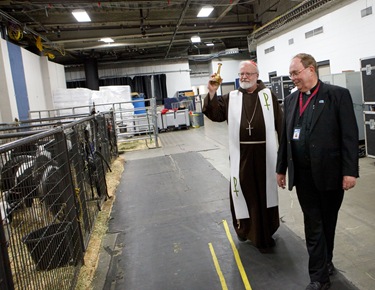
252 142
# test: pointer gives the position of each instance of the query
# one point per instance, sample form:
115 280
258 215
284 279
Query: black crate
368 79
281 86
370 133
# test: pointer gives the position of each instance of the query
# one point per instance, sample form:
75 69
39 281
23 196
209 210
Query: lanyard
302 108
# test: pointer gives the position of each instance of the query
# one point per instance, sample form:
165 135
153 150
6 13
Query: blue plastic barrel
139 105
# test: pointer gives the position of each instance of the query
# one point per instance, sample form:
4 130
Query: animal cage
52 188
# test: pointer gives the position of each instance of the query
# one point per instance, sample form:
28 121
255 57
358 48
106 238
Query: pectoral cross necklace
252 117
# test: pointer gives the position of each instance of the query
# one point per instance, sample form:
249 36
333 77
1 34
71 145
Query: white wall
178 80
8 107
346 39
229 73
53 79
34 80
42 77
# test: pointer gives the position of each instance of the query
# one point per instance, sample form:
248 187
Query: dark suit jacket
333 138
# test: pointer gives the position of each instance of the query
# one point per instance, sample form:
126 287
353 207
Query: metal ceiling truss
307 7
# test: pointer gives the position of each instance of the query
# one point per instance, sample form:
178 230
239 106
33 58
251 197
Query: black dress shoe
318 286
331 269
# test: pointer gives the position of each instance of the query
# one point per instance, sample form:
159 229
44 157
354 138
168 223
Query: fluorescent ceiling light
195 39
81 15
232 51
107 40
209 44
205 11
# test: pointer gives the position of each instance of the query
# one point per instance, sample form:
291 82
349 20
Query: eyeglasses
247 74
296 73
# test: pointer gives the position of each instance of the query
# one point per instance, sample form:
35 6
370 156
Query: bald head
303 72
249 64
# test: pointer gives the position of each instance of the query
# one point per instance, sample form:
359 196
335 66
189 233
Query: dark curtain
121 81
91 73
76 84
160 87
142 84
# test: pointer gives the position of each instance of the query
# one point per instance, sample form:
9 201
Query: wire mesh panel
42 236
106 136
94 145
88 174
52 187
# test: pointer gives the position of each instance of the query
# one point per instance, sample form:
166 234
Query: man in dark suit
319 147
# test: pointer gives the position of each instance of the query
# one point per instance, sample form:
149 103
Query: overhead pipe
7 16
226 10
187 3
25 28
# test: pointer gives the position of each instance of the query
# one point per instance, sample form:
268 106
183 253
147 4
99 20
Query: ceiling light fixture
232 51
107 40
205 11
81 15
209 44
195 39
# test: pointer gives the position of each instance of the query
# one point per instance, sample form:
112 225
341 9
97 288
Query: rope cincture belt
252 142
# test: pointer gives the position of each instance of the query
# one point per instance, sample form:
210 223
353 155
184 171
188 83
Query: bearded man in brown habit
254 117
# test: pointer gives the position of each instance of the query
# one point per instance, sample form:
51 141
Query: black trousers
320 211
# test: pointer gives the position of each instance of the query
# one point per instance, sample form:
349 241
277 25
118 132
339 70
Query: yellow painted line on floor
217 266
237 258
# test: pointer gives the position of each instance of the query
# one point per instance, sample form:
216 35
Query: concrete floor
170 205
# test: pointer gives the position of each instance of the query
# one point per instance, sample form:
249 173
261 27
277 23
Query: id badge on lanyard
296 133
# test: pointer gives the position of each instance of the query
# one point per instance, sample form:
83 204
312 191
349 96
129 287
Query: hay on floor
91 258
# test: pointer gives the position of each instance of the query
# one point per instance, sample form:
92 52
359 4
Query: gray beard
247 85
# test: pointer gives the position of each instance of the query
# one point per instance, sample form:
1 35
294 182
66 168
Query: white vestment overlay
234 121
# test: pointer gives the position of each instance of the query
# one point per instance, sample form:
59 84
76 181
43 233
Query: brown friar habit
263 221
